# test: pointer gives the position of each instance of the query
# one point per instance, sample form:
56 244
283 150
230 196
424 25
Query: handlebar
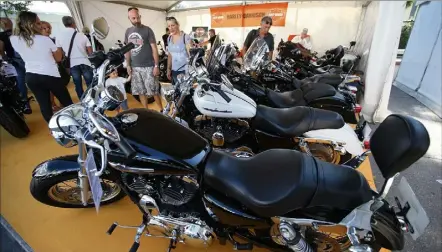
126 48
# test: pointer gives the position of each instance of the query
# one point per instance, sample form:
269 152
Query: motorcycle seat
286 99
327 78
295 121
278 181
314 91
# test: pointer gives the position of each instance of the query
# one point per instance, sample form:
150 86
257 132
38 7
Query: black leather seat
295 121
299 97
278 181
314 91
330 79
286 99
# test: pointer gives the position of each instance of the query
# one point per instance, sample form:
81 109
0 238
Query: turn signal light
358 108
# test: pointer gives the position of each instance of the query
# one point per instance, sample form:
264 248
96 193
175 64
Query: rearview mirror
100 28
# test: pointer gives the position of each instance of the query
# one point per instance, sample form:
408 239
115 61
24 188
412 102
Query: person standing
142 60
262 32
165 37
211 40
81 48
178 50
15 59
40 55
303 39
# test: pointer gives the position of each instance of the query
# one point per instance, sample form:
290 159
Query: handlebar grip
127 48
126 148
223 95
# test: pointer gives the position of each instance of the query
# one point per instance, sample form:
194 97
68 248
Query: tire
13 123
41 186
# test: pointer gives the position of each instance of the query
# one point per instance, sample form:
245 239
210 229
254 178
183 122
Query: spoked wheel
63 191
328 154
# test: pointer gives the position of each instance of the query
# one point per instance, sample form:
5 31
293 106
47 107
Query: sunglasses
268 22
170 18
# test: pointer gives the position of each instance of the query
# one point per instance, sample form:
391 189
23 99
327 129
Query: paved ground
423 176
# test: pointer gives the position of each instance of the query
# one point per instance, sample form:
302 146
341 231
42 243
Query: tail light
358 108
367 144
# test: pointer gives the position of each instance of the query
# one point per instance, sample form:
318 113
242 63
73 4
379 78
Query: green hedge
405 34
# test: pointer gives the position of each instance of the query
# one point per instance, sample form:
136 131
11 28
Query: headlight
65 123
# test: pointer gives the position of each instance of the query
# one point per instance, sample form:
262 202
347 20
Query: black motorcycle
12 106
282 200
163 64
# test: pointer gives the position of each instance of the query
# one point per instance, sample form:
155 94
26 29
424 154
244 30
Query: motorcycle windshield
213 57
255 54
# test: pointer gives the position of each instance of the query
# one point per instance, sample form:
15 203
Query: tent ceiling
167 6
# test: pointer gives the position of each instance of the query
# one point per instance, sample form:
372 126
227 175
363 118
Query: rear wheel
13 123
62 191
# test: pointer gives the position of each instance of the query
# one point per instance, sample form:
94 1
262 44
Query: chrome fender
345 135
56 166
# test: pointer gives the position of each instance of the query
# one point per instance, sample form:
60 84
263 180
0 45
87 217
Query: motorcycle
163 64
270 77
281 200
231 119
12 106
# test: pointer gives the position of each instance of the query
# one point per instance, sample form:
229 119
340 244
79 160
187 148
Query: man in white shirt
81 48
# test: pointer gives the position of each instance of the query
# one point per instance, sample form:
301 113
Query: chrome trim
130 169
360 217
148 203
386 187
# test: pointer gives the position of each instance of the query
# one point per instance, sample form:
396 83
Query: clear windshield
212 60
255 54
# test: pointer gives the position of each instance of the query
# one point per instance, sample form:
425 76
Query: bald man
7 51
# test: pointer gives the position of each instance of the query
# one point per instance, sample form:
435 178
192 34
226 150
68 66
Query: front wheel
62 191
13 123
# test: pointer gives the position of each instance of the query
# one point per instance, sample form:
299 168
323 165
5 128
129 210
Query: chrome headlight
65 123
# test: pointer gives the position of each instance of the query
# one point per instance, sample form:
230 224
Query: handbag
66 62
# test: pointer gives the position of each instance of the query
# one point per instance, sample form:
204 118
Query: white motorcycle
231 119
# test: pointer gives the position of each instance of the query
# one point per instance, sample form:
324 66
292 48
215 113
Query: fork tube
82 174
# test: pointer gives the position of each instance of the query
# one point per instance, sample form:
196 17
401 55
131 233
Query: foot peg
240 246
112 228
140 230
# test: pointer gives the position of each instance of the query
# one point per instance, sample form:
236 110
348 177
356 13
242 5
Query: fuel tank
211 103
163 145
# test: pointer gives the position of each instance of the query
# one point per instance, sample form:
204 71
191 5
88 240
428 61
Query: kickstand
172 245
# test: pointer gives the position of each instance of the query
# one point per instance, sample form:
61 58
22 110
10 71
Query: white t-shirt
78 53
38 58
119 83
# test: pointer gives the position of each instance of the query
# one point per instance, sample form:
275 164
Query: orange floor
49 229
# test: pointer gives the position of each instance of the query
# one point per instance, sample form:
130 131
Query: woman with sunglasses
41 56
178 49
262 32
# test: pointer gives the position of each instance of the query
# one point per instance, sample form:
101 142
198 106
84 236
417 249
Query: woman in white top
41 56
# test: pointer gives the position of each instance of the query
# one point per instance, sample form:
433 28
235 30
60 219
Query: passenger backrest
397 143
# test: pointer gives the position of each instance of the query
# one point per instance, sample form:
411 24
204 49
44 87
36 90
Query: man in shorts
142 61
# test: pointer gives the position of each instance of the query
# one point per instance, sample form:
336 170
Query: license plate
94 181
411 208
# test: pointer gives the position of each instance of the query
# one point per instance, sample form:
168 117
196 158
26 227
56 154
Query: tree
13 7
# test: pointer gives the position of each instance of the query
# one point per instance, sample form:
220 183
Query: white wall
116 16
420 70
330 23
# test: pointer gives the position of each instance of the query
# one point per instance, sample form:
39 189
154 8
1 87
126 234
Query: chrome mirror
100 28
